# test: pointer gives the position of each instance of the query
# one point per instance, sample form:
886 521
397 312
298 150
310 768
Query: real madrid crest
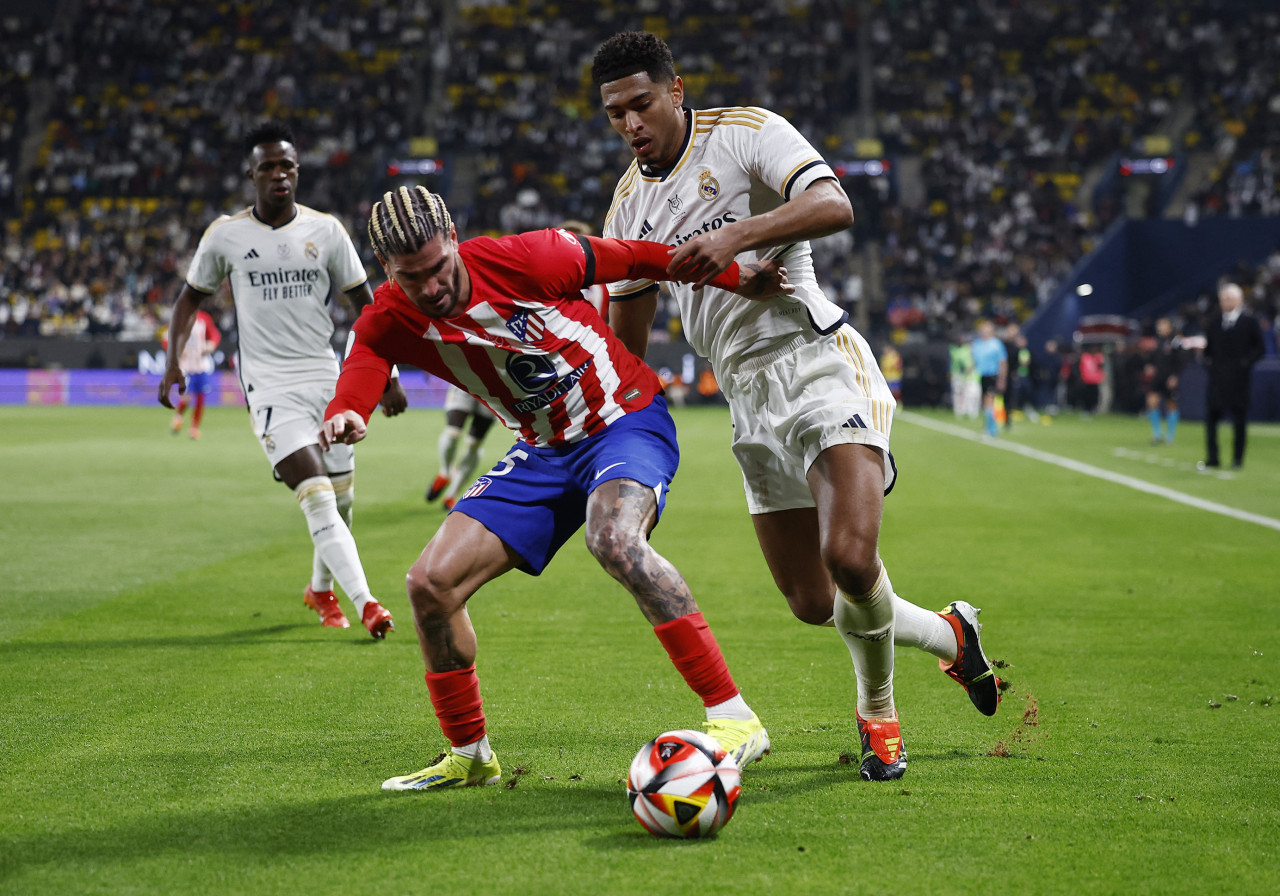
311 251
708 186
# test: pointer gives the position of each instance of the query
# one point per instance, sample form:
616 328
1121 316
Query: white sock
460 475
917 627
866 625
445 447
733 708
333 540
321 578
478 750
344 494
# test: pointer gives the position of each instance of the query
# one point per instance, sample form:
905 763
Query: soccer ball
683 784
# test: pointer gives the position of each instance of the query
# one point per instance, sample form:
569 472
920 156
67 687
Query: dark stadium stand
1007 128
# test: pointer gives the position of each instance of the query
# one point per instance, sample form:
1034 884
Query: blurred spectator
1233 344
1007 111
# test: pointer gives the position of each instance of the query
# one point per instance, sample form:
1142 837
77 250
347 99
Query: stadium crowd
1012 110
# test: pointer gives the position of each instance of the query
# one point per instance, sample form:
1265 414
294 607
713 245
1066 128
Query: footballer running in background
197 366
505 320
811 411
455 471
281 258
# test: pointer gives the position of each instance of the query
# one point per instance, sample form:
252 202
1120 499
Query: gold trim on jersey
792 173
748 116
625 188
849 347
645 286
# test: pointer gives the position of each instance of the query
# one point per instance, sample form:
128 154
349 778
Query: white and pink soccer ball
683 784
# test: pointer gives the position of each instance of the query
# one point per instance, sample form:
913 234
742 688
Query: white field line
1089 470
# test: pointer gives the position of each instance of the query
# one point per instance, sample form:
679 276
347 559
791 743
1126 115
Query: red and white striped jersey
528 345
197 353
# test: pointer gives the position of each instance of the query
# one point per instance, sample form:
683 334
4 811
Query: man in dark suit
1233 344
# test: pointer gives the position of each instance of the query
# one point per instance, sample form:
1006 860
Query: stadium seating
1009 114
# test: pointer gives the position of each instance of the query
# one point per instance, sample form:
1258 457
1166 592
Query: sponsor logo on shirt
547 396
252 253
707 226
283 275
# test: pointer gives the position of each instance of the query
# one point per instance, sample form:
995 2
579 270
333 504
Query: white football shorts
791 403
285 422
460 400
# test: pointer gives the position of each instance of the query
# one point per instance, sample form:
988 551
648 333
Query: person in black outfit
1233 344
1161 370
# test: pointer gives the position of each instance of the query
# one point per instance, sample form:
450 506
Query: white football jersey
280 280
735 163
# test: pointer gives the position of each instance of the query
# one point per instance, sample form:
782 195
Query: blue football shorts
535 498
200 384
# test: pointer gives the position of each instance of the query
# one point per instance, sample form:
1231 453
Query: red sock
696 655
198 414
182 406
455 696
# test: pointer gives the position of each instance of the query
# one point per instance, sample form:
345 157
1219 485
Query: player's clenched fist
347 427
763 280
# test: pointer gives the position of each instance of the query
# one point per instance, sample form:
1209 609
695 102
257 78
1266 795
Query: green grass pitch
173 720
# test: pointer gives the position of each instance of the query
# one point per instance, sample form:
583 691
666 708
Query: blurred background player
811 411
596 446
891 367
197 366
966 390
459 407
281 258
991 360
1020 389
1161 370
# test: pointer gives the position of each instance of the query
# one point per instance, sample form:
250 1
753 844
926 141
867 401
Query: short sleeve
345 267
782 158
209 265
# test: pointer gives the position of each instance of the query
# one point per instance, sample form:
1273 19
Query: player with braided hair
505 320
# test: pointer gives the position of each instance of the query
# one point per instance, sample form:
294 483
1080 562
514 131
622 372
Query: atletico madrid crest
527 326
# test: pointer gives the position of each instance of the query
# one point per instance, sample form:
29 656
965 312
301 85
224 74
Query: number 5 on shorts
508 463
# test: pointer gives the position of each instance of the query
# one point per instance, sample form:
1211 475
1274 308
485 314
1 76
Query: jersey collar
253 213
662 173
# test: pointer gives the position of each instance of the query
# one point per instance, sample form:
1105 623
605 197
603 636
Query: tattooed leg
620 515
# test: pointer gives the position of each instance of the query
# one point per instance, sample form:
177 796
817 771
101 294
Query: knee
854 563
431 593
612 545
811 607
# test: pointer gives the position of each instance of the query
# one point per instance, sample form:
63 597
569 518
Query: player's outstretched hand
346 427
763 280
393 400
172 376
